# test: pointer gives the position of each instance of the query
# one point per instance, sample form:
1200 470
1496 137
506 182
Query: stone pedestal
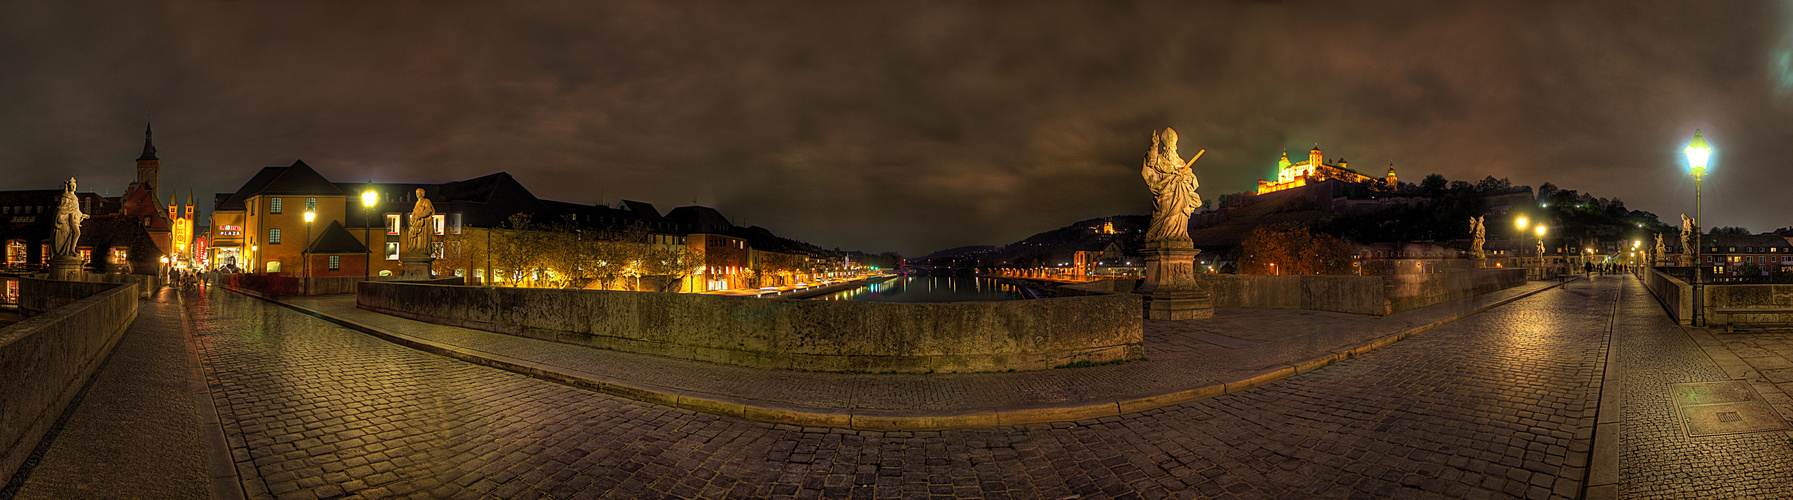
67 269
1170 289
417 268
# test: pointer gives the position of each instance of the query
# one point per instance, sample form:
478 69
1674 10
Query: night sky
904 126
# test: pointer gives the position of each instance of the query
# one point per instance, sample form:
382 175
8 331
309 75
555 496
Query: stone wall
811 335
146 284
1373 295
1675 295
1732 305
40 296
47 358
1413 291
322 285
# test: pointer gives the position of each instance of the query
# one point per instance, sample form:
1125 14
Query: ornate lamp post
306 251
367 231
1697 154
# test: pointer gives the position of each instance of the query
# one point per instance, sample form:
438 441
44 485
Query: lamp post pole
307 250
367 232
1697 154
1521 222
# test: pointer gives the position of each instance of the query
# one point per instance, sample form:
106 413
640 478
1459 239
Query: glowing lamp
309 216
1521 222
1697 153
368 198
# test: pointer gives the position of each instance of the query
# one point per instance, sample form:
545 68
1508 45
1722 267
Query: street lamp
306 250
1697 154
1521 221
367 231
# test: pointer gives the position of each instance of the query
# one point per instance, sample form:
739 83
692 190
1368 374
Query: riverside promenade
1497 396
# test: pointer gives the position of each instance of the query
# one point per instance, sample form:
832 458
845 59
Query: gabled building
261 227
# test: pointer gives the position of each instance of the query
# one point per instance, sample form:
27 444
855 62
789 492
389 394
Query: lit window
391 224
440 222
335 263
454 223
311 204
273 266
274 236
274 206
391 250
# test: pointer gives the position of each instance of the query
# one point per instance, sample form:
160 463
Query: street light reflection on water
931 289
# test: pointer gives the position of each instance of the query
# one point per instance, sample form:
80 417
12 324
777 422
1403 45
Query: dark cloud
904 126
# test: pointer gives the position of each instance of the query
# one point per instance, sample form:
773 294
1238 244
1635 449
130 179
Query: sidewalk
144 426
1235 350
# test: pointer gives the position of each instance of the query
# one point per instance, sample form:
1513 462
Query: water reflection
931 289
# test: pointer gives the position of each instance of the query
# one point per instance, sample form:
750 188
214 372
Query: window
436 249
391 250
439 221
273 266
460 273
454 223
311 204
391 224
335 262
274 236
274 205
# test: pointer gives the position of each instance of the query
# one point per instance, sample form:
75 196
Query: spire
149 147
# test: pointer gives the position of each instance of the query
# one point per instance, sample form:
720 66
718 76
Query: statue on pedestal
1170 289
1481 234
67 232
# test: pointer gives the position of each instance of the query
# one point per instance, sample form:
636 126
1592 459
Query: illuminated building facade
1294 175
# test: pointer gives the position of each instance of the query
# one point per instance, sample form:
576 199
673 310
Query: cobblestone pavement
1657 459
1497 404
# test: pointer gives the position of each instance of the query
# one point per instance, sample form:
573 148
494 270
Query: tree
1291 249
1433 185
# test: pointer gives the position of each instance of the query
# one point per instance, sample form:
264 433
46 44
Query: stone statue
1481 235
423 226
67 232
1540 247
1689 234
1173 188
1660 252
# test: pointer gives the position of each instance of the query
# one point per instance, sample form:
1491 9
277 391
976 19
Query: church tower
141 198
1391 176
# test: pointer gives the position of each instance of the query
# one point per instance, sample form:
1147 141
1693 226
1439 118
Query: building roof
297 178
336 239
701 220
646 209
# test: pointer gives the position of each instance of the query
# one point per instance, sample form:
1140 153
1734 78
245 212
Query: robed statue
423 226
1173 188
1689 237
1481 235
1660 252
67 231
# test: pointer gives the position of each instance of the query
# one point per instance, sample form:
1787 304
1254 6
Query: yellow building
1293 175
261 228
